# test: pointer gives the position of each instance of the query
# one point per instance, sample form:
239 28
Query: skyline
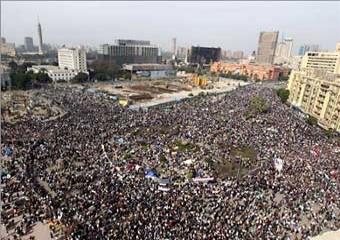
191 23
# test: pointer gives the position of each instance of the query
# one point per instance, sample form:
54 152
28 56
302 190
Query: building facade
283 51
267 47
203 55
29 47
130 51
8 49
315 87
3 40
72 59
306 48
321 61
54 72
253 71
150 71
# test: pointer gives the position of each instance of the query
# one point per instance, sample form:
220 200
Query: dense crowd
88 169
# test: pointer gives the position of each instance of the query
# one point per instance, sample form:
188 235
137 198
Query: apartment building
315 87
72 59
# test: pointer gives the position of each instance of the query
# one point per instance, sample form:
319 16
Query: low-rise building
253 71
151 71
54 72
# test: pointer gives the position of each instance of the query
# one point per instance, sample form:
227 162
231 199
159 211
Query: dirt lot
152 92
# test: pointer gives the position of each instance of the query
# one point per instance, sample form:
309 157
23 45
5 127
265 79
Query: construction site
147 93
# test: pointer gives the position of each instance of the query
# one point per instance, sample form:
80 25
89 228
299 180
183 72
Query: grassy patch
163 159
144 146
186 146
245 152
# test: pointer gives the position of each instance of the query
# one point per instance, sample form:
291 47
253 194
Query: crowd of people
89 169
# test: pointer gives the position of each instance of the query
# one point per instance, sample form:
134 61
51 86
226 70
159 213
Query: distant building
72 59
40 39
266 47
203 55
4 76
3 40
174 48
253 71
8 49
181 52
130 51
151 71
283 51
54 72
308 48
29 47
238 54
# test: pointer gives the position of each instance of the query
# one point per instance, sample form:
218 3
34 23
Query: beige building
8 49
72 59
267 47
315 87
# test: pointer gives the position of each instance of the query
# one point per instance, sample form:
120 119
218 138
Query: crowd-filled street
106 172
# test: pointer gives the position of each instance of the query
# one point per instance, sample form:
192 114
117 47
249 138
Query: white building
283 51
54 72
72 59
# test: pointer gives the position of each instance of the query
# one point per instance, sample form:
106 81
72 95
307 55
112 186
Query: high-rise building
174 48
130 51
40 39
321 61
72 59
203 55
284 51
308 48
29 47
266 47
181 51
3 40
315 87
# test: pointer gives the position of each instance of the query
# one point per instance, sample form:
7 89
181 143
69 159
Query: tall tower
40 38
174 48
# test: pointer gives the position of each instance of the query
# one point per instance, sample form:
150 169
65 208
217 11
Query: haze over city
229 25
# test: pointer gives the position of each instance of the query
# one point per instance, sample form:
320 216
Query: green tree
20 80
259 104
80 78
329 133
102 76
13 65
283 94
42 77
312 120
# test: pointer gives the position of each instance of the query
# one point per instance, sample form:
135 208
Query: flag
278 162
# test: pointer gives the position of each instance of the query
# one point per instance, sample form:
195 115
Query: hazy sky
230 25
